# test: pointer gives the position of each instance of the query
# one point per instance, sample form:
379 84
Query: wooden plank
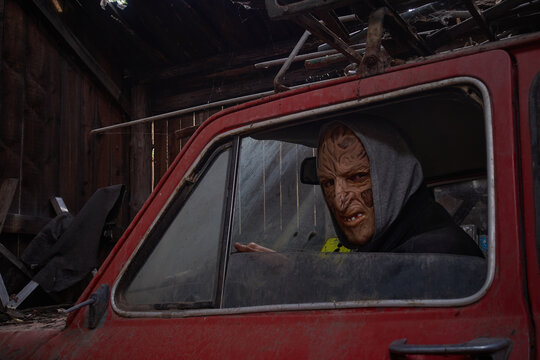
50 168
24 224
13 85
175 146
84 120
69 135
161 151
7 192
101 143
34 194
141 150
14 260
119 156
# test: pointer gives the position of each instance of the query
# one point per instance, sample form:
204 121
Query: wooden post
141 153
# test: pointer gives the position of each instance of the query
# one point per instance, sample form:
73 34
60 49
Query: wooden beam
7 192
84 55
24 224
224 62
14 260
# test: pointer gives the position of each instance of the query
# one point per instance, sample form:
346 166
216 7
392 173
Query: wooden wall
50 100
48 104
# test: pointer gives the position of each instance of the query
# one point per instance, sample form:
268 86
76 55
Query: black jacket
424 226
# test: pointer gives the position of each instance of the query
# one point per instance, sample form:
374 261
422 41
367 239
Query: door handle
481 348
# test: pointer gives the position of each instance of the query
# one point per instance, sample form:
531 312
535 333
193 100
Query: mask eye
327 183
359 177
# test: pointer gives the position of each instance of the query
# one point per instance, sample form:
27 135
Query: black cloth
424 226
67 249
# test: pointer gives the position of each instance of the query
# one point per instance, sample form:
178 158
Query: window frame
304 115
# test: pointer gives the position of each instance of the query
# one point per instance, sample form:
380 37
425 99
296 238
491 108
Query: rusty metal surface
372 62
23 332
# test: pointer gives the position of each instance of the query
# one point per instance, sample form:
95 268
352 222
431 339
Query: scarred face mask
344 174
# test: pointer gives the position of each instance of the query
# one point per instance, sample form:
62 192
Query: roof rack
390 31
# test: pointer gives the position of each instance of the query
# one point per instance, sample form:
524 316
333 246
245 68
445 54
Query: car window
261 194
275 209
181 269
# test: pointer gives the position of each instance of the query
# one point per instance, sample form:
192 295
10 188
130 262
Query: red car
179 289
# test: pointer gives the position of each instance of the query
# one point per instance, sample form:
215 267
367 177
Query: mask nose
342 196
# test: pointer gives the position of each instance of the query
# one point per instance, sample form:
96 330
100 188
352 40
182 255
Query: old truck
175 287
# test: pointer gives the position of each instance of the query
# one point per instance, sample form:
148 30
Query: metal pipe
309 56
182 112
278 86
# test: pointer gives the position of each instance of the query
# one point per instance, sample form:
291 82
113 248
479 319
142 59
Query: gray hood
396 174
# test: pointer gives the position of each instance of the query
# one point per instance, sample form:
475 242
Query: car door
179 289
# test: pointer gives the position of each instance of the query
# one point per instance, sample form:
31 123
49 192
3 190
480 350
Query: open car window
258 195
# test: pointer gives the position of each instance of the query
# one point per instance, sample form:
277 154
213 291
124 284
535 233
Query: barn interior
98 93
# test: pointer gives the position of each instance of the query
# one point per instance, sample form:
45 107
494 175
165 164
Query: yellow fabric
333 245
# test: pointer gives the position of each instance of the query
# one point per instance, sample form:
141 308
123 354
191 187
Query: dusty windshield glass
182 268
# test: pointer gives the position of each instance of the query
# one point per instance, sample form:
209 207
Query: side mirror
308 171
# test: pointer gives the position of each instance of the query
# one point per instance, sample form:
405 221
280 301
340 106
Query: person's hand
251 247
278 261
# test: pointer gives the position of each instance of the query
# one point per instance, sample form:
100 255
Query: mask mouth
353 219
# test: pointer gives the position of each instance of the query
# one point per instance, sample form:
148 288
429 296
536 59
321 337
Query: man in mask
373 186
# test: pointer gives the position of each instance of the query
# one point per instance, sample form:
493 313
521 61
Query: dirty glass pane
183 267
256 279
273 208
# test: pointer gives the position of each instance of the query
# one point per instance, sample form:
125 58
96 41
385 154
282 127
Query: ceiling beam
223 62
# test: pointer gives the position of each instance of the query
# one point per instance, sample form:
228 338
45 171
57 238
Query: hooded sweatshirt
407 217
